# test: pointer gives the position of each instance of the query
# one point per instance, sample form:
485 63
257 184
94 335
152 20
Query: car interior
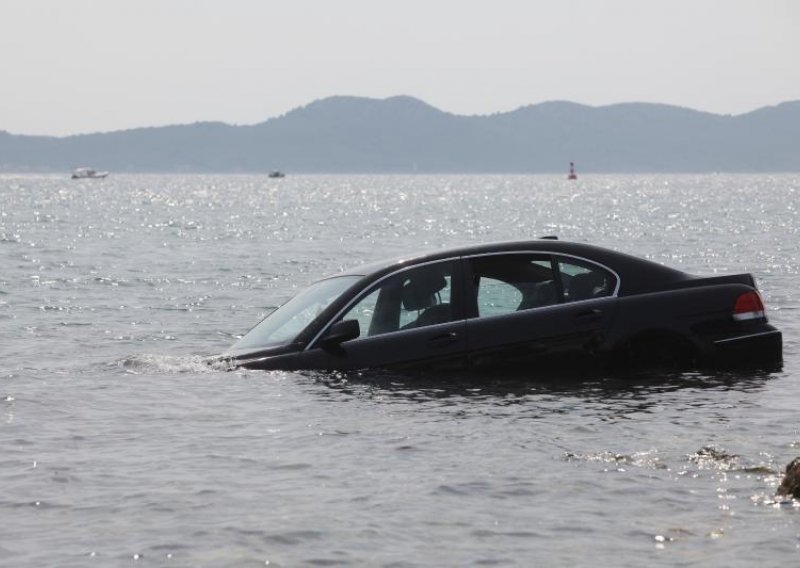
503 284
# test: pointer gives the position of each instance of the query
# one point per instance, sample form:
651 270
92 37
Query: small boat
572 174
276 174
88 173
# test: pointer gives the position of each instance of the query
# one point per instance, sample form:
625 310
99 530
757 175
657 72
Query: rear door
411 319
531 311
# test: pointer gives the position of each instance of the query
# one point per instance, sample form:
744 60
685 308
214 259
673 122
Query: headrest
418 293
582 285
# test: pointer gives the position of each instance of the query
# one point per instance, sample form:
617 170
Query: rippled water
119 447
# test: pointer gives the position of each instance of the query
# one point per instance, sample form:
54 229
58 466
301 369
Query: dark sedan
535 305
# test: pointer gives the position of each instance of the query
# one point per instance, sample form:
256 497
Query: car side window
417 297
496 297
584 281
513 282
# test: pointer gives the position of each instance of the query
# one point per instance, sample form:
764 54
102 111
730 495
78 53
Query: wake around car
533 306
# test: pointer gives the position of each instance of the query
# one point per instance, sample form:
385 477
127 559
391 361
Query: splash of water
168 364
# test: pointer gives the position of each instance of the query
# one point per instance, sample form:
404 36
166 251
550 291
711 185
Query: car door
410 319
537 311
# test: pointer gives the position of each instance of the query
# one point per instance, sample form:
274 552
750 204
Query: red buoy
572 174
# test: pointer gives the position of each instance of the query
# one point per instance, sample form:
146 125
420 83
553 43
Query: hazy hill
403 134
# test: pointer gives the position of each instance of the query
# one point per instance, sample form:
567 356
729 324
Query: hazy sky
97 65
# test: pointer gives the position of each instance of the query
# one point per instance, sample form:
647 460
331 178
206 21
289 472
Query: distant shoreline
552 175
403 135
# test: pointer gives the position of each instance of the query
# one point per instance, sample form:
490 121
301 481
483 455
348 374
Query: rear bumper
763 348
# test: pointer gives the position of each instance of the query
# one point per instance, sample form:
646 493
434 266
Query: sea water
120 447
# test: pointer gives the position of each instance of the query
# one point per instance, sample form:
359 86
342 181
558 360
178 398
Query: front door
410 319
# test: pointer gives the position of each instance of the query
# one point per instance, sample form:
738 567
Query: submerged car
534 306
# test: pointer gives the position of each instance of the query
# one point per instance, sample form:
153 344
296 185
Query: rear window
584 281
513 282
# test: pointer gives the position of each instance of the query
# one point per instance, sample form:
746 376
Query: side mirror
340 332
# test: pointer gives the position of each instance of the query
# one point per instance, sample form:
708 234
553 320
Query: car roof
637 275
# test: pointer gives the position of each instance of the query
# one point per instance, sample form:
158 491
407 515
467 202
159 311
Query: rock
790 485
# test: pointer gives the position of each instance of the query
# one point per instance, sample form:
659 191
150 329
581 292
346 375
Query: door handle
589 316
443 340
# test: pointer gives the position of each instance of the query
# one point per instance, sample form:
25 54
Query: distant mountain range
405 135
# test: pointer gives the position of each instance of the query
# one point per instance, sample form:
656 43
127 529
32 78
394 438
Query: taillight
749 306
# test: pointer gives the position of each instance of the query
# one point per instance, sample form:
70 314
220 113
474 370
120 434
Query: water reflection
421 386
673 397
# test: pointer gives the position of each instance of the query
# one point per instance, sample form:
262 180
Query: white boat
87 173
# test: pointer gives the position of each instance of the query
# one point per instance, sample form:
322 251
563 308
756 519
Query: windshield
285 324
